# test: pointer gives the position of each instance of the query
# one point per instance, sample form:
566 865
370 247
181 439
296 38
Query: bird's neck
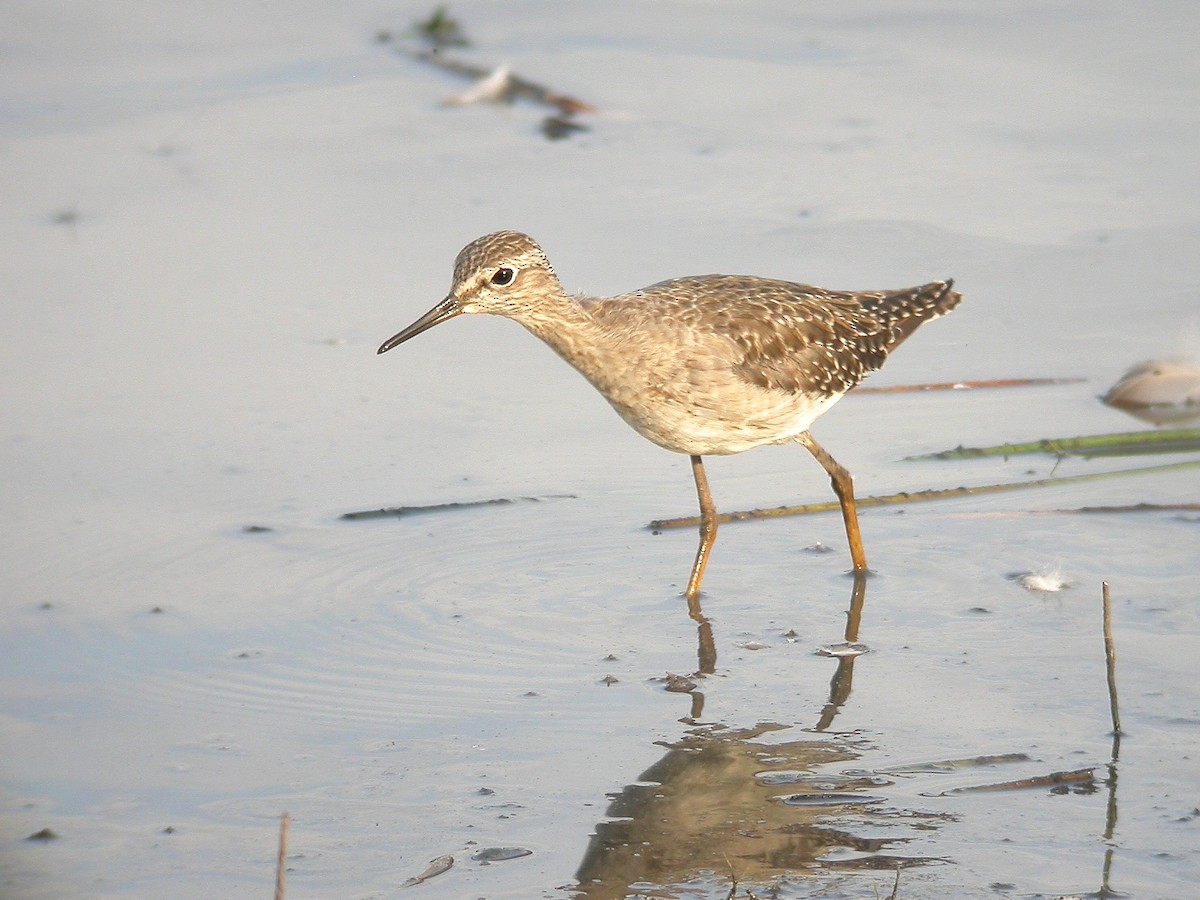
567 325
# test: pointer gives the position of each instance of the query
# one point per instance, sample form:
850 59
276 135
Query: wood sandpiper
709 364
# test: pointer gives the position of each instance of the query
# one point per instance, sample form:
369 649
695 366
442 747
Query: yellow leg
708 529
843 486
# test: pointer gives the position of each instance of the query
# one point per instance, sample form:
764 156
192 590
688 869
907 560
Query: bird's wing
781 335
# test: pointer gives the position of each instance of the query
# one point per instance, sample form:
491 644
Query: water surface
211 220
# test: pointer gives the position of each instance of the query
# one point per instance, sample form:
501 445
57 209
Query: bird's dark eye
504 275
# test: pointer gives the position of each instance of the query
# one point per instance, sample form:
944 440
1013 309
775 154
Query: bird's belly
722 429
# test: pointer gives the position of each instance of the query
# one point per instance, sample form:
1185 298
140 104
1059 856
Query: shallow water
210 223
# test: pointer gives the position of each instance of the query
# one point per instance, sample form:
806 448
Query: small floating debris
843 650
1159 391
247 653
44 835
679 684
436 867
1049 581
497 84
753 645
495 87
500 854
522 89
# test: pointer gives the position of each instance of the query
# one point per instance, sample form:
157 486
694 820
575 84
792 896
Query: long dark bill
447 309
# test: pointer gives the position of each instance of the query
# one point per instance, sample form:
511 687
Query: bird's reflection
721 801
843 678
706 650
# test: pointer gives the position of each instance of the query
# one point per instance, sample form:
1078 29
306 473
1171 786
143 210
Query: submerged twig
285 824
1054 779
1129 442
966 385
1131 507
1110 659
949 765
916 497
393 512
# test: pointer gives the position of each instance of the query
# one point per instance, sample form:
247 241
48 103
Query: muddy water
203 251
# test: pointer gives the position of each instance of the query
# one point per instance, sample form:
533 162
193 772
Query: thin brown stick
390 512
1128 508
732 878
1110 659
917 496
285 824
966 385
1110 814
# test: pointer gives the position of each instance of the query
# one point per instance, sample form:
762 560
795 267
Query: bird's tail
902 311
